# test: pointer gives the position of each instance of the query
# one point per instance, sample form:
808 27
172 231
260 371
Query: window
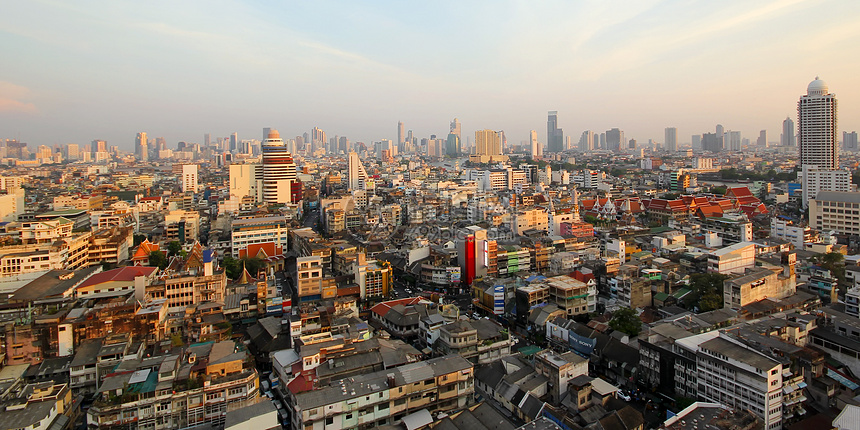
329 421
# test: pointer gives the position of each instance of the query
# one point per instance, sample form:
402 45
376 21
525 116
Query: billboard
582 344
499 299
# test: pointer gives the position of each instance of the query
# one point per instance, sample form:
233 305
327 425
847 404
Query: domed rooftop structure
273 134
817 88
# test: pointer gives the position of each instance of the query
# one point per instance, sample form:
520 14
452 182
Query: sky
82 70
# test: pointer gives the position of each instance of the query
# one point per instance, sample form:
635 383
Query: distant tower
455 128
534 145
488 142
401 134
141 147
234 141
816 127
849 141
671 139
586 141
554 135
762 139
279 170
788 138
452 147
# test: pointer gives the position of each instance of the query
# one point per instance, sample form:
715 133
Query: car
624 396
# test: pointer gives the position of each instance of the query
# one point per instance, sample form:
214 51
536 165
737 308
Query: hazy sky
74 71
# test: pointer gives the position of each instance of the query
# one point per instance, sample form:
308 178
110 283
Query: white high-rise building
816 127
535 145
671 139
279 170
246 180
815 180
189 178
357 174
141 147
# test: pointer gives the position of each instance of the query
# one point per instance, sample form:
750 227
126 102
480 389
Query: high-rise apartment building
670 142
816 127
279 170
849 141
712 142
401 133
696 141
141 147
586 141
189 178
356 172
788 136
488 143
554 135
534 145
815 180
732 140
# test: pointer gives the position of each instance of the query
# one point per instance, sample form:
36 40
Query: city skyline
640 67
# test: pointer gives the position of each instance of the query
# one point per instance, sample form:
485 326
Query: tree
707 291
157 259
173 248
832 261
138 239
625 320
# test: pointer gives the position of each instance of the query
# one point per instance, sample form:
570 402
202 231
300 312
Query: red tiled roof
382 308
126 274
583 277
738 192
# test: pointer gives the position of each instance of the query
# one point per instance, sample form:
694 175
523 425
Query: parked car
624 396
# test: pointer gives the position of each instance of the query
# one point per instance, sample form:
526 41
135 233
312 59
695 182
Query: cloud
10 99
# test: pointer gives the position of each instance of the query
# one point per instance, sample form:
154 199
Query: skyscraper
279 170
401 133
586 141
534 145
762 139
788 137
357 174
234 142
141 147
452 147
849 141
614 138
712 142
455 128
99 146
554 135
670 141
816 127
488 142
732 140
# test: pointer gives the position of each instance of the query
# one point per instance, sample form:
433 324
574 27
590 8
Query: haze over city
79 71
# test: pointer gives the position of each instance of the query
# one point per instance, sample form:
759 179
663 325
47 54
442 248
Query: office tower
602 140
160 144
712 142
318 139
696 141
73 152
631 144
343 145
788 137
670 141
534 145
849 141
189 178
586 141
266 131
554 135
357 174
234 142
141 147
762 139
488 142
452 147
207 140
279 170
455 128
567 144
614 137
721 131
401 134
816 127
